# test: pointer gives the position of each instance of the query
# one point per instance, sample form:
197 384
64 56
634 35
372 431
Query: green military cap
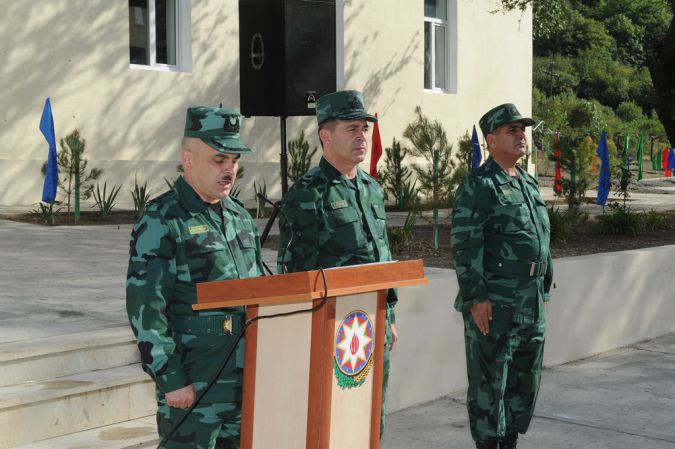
342 105
503 114
216 127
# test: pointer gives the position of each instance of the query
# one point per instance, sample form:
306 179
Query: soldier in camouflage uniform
334 215
195 232
500 244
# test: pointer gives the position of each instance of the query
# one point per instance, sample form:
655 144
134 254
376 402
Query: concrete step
34 411
136 434
63 355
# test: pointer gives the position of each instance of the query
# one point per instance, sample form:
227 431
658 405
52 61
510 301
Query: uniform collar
193 203
335 177
500 175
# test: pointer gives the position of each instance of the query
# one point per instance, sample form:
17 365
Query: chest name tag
198 229
340 204
507 191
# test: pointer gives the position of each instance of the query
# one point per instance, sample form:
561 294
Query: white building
80 52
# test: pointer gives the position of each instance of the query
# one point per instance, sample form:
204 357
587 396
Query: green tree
428 137
613 42
395 178
71 160
465 150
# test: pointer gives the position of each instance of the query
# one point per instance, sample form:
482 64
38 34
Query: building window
159 34
436 45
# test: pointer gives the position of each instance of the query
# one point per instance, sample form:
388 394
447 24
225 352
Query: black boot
509 441
487 444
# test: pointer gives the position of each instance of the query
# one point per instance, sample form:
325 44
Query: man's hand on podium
394 336
181 398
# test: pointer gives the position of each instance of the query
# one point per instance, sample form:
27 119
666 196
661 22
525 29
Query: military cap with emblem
504 114
216 127
342 105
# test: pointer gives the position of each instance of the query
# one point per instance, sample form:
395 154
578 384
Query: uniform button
499 264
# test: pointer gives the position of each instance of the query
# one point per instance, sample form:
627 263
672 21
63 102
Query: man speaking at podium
334 215
195 232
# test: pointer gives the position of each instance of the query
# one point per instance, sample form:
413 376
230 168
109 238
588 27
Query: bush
141 196
561 225
301 156
45 213
655 221
400 237
395 178
105 200
621 220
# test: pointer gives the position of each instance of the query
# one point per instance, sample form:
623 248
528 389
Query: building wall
76 52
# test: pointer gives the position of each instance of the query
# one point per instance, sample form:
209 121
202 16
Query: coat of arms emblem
354 341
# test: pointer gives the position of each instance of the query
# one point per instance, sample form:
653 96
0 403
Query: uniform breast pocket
542 213
380 220
345 229
510 216
203 252
247 246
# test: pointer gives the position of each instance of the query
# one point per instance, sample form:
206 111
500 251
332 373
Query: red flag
664 161
557 181
375 150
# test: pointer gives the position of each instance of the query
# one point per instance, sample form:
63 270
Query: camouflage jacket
500 242
333 222
178 242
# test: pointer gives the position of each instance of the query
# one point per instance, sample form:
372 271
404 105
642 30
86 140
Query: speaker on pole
287 55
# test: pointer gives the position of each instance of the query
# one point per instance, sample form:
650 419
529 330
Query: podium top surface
309 285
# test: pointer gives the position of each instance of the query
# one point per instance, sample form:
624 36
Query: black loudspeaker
286 55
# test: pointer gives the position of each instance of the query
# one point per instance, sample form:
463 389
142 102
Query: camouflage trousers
385 379
385 371
216 422
504 371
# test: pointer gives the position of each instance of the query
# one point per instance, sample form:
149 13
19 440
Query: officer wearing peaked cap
500 244
334 215
195 232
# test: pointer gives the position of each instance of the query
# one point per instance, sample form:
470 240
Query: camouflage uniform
500 243
178 242
335 222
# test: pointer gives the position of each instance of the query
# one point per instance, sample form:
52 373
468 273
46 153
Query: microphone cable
277 209
234 346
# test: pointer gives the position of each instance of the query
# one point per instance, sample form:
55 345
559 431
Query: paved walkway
624 399
67 279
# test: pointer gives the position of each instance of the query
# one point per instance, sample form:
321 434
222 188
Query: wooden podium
313 380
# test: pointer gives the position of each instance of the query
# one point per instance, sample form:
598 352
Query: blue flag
476 155
671 159
604 178
52 173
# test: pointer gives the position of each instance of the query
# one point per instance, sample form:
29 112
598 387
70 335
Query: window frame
450 48
183 35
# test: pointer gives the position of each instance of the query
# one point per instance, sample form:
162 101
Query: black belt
208 325
533 269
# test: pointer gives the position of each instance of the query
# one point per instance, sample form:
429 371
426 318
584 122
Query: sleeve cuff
391 313
172 381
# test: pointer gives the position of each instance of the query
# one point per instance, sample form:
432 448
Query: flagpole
436 156
77 179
